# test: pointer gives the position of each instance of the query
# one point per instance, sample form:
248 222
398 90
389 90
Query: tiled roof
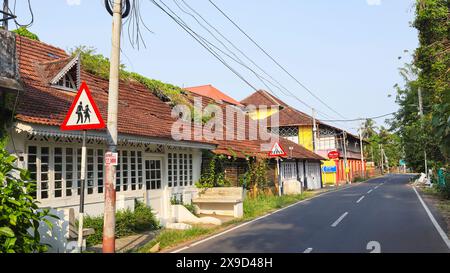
140 112
262 97
287 116
213 93
248 146
50 69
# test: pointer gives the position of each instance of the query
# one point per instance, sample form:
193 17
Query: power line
235 58
273 59
195 36
360 119
210 47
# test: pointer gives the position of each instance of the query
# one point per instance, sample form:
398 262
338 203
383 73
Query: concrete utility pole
421 120
5 14
314 130
363 167
380 146
113 101
344 142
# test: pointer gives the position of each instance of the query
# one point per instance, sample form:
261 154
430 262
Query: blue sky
345 51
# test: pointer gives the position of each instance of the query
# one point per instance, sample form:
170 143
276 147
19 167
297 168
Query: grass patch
170 237
253 207
127 223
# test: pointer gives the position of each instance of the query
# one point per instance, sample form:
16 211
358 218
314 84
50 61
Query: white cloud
373 2
73 2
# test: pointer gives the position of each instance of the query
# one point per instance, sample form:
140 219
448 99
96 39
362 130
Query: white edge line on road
257 219
308 250
339 219
435 223
369 191
359 200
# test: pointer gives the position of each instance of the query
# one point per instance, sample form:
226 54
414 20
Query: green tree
432 58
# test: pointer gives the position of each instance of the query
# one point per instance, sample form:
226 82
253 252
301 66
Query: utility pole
113 101
5 14
314 130
363 167
421 121
381 158
344 140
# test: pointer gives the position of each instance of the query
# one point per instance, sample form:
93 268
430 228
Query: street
382 215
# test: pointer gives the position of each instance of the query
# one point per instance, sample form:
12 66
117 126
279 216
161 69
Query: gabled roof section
262 97
213 93
58 68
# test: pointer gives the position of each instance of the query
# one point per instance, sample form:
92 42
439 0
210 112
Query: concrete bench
226 201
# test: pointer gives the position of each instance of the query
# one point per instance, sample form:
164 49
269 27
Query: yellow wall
328 178
305 137
262 114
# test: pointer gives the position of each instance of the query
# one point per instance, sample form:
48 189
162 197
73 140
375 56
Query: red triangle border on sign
101 125
270 153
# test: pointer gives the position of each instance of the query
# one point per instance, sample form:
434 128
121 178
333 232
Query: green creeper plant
215 175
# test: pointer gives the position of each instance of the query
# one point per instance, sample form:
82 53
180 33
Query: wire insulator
127 8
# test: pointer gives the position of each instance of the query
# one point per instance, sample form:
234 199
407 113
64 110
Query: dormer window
67 82
64 73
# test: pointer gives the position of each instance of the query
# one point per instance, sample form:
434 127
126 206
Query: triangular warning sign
84 113
277 150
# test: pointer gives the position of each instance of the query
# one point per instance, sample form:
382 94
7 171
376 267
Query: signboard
329 169
333 155
111 159
402 162
277 150
83 113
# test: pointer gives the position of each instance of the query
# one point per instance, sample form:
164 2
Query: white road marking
435 223
308 250
359 200
339 219
254 220
369 191
374 246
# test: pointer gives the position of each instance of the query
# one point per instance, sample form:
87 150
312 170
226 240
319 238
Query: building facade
152 167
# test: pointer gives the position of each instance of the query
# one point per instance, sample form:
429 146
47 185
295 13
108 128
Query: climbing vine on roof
23 31
98 65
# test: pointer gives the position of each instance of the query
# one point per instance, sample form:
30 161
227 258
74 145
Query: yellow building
298 127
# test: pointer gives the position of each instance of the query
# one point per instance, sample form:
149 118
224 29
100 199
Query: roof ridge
40 42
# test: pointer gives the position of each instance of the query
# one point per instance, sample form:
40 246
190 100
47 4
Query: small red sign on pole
277 150
83 113
333 155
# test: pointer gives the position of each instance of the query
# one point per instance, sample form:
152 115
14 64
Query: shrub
127 223
359 179
20 216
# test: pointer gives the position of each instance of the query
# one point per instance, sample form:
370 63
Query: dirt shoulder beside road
439 206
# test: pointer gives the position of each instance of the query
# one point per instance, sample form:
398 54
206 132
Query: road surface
382 215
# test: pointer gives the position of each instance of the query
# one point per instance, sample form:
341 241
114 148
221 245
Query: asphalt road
382 215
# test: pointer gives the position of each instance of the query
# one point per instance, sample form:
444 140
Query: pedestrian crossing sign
277 150
83 113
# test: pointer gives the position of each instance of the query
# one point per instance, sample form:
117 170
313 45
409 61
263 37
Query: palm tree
369 128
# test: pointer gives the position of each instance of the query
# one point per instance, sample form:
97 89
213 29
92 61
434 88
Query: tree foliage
429 72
